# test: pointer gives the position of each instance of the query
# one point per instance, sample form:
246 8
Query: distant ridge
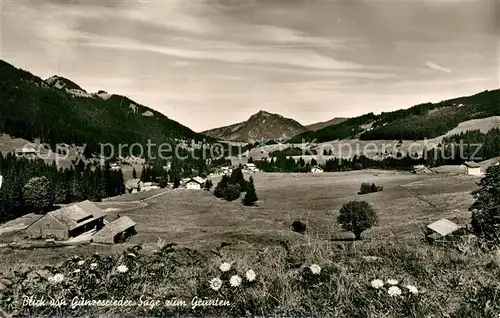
323 124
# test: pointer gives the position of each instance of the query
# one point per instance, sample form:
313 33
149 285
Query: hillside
323 124
260 126
422 121
59 111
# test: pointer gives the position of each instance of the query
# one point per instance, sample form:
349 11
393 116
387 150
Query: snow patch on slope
78 93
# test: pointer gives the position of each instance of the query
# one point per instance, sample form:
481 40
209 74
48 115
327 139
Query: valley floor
197 219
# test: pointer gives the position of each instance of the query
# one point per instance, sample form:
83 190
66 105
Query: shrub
369 188
251 196
37 194
231 192
219 189
238 178
177 182
299 227
486 209
208 185
163 183
357 216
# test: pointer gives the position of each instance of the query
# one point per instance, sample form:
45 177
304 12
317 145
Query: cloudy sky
208 63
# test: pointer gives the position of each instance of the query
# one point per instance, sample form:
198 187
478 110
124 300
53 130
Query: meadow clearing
197 219
390 273
408 201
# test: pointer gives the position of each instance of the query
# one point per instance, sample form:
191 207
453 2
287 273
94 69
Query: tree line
36 186
453 150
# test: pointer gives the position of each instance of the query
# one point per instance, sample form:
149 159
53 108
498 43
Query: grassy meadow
185 235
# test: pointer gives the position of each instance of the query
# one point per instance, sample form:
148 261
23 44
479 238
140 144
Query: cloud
437 67
228 52
314 60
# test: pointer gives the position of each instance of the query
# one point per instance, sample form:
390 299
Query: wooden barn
116 232
69 221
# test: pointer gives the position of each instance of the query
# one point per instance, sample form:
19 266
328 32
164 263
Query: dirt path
136 204
413 194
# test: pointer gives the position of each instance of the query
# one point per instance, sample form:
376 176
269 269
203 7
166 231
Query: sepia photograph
250 158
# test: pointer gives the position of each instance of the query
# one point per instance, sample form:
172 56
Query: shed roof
444 227
77 214
132 183
116 227
197 180
421 169
471 164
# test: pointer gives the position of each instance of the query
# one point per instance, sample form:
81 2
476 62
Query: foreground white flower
235 281
224 267
250 274
315 269
392 282
57 278
215 283
122 269
93 266
412 289
394 291
80 263
377 283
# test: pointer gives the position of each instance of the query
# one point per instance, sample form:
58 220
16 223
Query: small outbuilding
316 170
196 183
472 168
132 185
28 152
443 228
116 232
250 167
421 169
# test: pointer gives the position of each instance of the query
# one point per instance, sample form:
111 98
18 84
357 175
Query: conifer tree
37 194
221 186
486 210
251 196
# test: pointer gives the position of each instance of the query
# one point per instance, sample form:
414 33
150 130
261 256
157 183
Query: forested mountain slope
428 120
59 111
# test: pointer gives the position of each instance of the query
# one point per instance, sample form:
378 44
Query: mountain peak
263 113
262 125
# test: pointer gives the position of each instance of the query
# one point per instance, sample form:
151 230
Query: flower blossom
315 269
377 283
215 283
250 275
224 267
235 281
